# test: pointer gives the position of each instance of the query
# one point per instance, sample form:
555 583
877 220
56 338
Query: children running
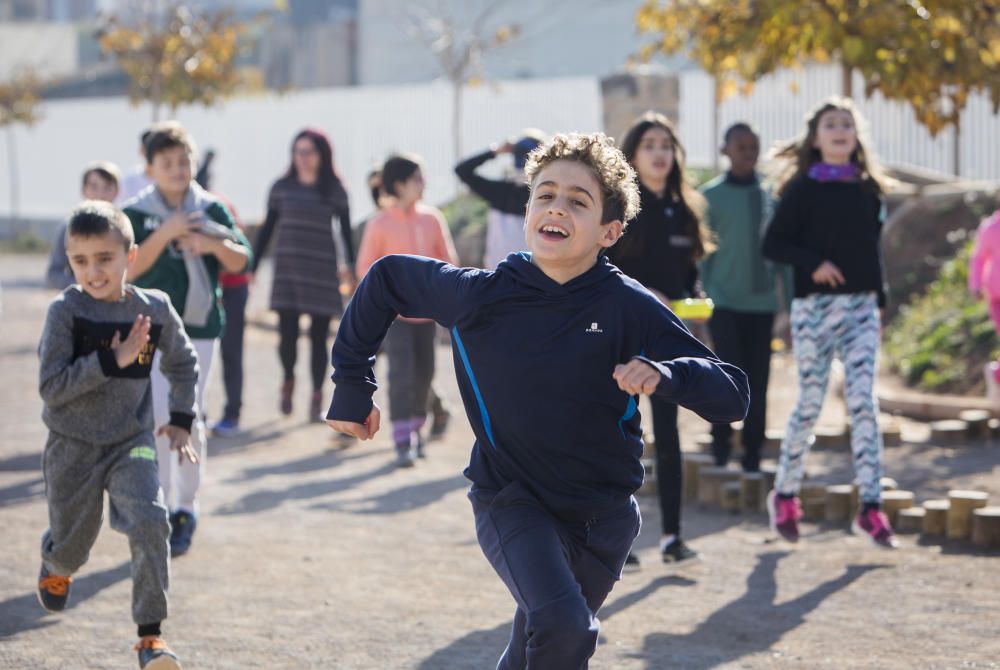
552 350
827 225
96 353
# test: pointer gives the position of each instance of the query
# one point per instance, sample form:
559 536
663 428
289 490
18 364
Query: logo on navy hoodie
594 328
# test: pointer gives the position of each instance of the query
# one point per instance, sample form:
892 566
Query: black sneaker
632 563
154 654
53 590
182 526
439 424
677 552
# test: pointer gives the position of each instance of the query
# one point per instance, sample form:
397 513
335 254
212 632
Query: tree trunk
716 111
156 92
846 80
15 196
956 149
456 119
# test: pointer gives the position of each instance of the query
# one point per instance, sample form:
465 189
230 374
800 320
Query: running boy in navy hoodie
552 349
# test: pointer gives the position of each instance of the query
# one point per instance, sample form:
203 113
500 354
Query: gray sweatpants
76 476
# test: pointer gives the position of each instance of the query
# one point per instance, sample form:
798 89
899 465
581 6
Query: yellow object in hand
692 308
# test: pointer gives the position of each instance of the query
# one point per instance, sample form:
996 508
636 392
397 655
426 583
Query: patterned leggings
824 326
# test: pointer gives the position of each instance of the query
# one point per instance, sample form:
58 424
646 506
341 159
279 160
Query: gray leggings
76 476
410 348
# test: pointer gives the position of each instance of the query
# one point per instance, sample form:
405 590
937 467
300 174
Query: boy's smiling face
99 264
562 226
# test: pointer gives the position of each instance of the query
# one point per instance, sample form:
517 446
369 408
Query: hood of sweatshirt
518 266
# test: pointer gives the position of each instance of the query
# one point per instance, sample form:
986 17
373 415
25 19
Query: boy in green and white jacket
185 236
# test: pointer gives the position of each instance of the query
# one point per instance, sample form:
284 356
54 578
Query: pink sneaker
875 524
784 514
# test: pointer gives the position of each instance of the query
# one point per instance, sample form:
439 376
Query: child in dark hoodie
552 350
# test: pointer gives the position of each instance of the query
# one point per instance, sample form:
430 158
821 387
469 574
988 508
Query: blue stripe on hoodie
542 393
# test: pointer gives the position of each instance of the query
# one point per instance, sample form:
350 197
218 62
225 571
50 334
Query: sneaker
439 424
421 449
182 526
784 514
316 408
678 552
632 563
875 524
287 390
154 654
226 428
404 456
53 590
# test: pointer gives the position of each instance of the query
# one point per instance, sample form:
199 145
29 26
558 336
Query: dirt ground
309 555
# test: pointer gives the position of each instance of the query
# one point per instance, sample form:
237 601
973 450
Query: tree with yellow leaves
931 54
19 99
178 58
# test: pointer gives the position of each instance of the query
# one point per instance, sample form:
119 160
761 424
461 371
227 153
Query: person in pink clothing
407 226
984 279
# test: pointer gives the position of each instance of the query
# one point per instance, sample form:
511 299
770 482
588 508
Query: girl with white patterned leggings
827 225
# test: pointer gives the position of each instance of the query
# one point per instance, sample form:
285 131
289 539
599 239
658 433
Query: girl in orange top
407 226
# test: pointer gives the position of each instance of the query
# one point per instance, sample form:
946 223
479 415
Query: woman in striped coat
304 209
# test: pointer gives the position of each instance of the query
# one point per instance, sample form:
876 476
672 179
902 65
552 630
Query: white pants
186 476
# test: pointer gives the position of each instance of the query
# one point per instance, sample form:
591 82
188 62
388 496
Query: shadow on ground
403 499
482 648
752 623
23 613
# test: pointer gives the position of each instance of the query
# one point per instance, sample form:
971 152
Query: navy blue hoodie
534 360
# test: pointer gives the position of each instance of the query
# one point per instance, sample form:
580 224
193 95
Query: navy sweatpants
558 571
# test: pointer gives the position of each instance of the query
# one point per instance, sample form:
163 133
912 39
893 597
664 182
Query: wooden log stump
892 433
768 472
773 439
910 520
811 491
703 442
994 425
894 501
949 432
935 518
814 509
838 502
730 495
831 438
710 481
649 477
855 502
977 423
960 512
888 484
691 464
752 492
986 527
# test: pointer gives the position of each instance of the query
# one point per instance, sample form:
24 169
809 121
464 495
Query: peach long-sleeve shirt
420 230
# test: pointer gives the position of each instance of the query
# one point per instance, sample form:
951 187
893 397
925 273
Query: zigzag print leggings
846 326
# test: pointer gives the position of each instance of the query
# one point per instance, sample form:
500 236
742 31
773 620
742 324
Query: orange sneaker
53 590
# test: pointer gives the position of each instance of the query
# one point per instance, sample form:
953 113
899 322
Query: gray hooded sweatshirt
87 396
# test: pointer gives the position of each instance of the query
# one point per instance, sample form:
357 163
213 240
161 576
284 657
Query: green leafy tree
177 58
19 101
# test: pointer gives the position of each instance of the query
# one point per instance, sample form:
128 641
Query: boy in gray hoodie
96 353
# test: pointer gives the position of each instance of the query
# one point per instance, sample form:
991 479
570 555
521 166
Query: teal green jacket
168 272
736 276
